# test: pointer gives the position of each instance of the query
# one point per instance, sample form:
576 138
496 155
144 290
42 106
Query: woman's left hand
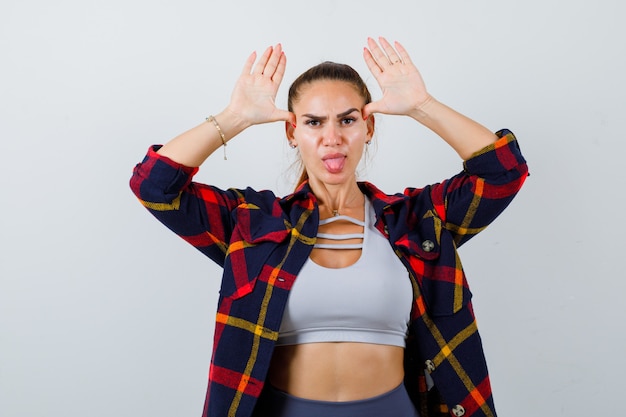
401 83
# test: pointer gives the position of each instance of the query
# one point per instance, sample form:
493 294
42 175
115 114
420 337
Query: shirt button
428 245
430 365
458 410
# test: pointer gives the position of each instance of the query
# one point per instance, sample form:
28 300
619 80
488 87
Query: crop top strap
343 236
342 217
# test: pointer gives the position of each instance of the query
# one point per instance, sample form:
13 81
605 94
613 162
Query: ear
370 121
289 128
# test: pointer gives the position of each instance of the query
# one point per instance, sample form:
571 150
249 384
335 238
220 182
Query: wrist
424 109
231 123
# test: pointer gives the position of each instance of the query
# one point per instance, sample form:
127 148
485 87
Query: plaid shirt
262 241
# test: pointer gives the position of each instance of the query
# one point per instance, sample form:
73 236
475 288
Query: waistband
276 403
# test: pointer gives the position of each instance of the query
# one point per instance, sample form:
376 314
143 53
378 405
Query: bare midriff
340 371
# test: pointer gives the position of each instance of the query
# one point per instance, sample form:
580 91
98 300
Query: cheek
360 134
306 146
306 138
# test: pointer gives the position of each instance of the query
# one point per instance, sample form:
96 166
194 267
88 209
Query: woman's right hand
251 103
253 98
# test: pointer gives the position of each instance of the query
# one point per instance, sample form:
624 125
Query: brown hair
326 71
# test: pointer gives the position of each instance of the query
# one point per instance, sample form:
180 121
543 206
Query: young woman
338 300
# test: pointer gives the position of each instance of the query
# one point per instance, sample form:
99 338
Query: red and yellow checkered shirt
262 241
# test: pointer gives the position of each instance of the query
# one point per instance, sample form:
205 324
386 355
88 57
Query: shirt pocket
255 236
422 240
437 266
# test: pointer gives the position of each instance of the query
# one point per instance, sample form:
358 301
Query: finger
391 53
284 115
247 67
365 111
292 119
280 69
371 63
368 110
260 65
404 55
378 54
377 106
272 62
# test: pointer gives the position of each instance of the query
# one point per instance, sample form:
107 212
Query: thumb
281 115
284 115
371 108
292 118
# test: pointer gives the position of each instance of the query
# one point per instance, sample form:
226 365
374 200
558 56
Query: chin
338 179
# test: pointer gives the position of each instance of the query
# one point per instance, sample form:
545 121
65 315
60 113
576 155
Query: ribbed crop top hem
343 334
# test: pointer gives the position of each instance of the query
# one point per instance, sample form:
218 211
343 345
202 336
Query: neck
338 199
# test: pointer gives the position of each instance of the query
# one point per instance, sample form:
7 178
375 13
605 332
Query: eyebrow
339 116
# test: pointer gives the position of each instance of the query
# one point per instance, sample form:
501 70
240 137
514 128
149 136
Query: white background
104 312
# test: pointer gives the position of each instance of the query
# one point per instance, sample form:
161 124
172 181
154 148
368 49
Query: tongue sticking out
334 165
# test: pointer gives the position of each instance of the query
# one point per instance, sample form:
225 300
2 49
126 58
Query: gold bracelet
211 119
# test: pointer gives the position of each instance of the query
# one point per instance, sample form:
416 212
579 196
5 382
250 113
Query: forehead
329 93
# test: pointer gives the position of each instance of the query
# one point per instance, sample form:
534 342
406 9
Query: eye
312 122
348 120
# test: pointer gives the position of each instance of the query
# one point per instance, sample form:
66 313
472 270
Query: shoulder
410 198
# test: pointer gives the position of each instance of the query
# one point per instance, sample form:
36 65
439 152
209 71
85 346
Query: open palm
253 98
401 83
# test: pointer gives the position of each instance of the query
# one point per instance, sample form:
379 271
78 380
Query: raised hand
401 83
253 98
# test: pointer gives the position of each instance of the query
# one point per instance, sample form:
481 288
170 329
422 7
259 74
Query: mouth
334 163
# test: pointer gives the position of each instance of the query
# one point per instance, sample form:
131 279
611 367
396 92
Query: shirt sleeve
198 213
468 202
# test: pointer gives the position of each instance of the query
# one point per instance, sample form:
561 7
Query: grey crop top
368 301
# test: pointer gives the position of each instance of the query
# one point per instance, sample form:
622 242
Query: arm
404 93
198 213
471 200
494 168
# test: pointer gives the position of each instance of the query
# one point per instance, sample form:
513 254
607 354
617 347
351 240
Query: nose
332 135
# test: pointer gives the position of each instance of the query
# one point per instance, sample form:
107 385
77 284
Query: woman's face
330 131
